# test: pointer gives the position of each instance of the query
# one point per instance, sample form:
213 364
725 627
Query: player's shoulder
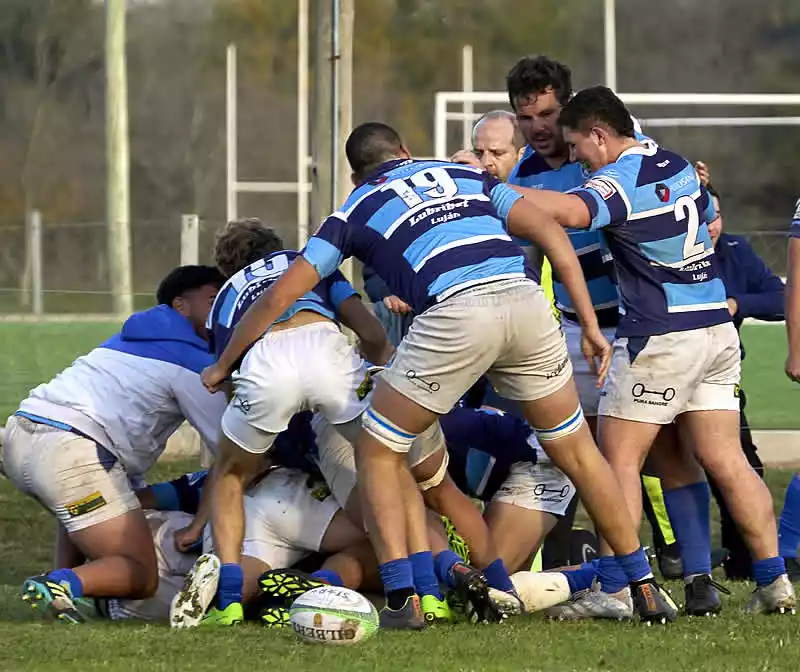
528 167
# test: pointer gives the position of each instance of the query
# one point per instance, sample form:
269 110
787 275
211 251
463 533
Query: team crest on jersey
662 192
321 493
365 388
602 186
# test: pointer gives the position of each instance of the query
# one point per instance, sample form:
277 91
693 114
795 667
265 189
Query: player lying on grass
77 443
438 235
654 214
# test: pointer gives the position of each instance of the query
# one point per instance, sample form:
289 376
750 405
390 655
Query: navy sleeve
764 297
501 436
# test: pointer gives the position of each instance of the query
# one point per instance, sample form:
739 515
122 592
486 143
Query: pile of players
358 465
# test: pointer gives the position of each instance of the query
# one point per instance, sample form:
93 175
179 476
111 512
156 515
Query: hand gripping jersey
429 229
245 287
654 214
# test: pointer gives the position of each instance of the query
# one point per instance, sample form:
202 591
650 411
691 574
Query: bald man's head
497 142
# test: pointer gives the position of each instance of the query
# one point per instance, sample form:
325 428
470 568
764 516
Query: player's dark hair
532 75
243 242
713 192
186 278
595 106
370 145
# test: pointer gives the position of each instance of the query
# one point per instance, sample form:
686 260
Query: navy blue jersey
245 287
655 214
483 444
428 228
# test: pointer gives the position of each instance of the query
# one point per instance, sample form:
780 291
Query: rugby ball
333 615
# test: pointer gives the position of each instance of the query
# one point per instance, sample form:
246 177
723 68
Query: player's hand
213 376
703 173
396 305
733 306
466 156
792 368
597 351
187 537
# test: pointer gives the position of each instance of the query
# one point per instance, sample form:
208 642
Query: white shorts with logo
286 517
505 329
537 487
696 370
312 367
585 380
75 478
337 459
172 568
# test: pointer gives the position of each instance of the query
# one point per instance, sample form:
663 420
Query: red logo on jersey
662 191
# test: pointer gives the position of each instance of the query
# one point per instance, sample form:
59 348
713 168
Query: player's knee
568 426
146 584
386 432
428 481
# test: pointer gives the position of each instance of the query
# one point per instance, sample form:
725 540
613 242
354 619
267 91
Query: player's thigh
672 461
126 536
447 348
340 534
534 363
517 532
715 438
585 380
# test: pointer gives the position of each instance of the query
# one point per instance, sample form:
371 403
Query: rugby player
436 233
654 213
789 529
78 442
301 362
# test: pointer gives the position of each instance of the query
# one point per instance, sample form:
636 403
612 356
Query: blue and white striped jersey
794 228
655 215
428 228
243 289
534 172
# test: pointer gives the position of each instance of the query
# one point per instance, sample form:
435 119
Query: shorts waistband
55 424
488 287
327 325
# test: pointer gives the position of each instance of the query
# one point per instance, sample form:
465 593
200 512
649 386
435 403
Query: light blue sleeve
340 289
503 199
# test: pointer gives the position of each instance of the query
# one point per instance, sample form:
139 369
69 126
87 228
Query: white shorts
74 477
537 487
172 568
504 329
655 379
286 517
337 460
585 380
312 367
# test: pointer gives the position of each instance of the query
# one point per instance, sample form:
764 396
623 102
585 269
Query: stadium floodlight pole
610 40
302 123
117 160
467 87
231 134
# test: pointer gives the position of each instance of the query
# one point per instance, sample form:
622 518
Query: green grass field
32 353
729 642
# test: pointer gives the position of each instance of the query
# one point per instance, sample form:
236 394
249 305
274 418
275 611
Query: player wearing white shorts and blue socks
676 357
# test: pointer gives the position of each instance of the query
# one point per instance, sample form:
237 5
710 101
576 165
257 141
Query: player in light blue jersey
302 362
439 235
676 357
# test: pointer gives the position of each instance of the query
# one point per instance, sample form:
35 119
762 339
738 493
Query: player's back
244 288
658 236
430 229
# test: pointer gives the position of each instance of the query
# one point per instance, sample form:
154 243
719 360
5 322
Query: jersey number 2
433 183
685 207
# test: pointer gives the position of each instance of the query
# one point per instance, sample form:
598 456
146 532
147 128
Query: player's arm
568 210
374 345
763 298
793 301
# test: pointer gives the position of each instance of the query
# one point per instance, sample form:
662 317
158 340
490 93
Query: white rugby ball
333 615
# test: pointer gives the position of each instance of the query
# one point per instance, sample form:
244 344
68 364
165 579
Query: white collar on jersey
647 148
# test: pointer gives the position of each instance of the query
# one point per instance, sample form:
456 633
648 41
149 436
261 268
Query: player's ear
520 152
354 179
404 153
179 304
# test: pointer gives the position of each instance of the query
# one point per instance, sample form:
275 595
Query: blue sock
497 576
443 564
689 510
75 585
610 574
329 576
230 585
766 571
789 526
635 565
425 580
397 575
581 578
